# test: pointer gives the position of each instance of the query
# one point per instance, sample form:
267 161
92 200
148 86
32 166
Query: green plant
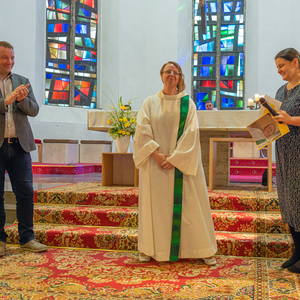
122 120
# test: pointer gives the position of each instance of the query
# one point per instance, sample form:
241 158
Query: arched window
218 68
71 55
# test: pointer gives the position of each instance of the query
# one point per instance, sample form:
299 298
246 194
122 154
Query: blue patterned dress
288 160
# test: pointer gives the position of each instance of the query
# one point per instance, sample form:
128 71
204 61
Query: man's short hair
6 45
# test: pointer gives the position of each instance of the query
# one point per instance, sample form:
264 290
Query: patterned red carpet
70 169
249 169
87 215
89 274
249 232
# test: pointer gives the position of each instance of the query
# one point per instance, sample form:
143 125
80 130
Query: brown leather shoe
34 246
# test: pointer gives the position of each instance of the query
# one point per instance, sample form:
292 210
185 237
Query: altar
212 124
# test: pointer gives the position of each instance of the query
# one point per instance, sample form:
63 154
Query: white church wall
136 37
271 26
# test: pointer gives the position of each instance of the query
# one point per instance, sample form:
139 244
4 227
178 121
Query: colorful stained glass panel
58 52
231 60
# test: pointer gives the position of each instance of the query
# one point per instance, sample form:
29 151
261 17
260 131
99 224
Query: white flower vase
122 143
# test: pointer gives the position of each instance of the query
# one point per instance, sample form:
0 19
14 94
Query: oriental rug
87 274
88 215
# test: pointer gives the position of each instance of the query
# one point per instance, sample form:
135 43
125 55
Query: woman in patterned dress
288 150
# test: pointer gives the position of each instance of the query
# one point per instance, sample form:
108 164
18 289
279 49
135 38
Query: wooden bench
60 151
90 151
213 159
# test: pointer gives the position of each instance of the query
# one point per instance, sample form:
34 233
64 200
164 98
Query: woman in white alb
157 153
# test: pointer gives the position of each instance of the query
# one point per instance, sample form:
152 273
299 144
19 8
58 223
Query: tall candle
250 102
256 98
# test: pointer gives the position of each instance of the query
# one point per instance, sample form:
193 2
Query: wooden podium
119 169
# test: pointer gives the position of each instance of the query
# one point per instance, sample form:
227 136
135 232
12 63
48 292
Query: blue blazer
21 111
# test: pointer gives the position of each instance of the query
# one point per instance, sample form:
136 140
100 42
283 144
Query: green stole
178 182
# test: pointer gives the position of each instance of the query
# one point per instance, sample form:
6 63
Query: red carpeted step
243 200
88 193
108 238
65 169
254 244
255 222
92 193
249 171
258 222
112 238
93 216
246 178
86 215
254 162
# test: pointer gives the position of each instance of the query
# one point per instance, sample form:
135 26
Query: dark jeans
17 163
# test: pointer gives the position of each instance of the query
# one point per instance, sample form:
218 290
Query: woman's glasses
169 72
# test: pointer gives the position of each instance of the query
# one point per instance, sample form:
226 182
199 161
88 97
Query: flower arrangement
122 120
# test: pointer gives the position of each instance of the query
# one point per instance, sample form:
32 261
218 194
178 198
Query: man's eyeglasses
169 72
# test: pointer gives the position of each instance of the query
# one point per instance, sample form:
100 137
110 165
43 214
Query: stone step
125 239
11 215
9 197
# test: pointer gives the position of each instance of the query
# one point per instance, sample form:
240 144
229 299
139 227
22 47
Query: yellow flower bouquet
122 119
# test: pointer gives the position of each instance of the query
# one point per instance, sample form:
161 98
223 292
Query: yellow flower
125 119
123 132
127 124
133 120
108 121
120 120
127 132
123 107
120 131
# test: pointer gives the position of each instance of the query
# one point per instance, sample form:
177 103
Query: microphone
265 103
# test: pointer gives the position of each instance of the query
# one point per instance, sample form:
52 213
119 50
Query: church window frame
71 31
218 68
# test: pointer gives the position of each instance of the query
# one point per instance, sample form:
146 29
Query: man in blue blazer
17 102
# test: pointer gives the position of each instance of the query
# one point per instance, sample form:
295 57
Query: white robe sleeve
143 144
187 153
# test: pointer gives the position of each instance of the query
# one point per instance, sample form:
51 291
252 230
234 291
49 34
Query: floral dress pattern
288 160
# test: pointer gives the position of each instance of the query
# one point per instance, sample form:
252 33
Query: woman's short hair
289 54
181 85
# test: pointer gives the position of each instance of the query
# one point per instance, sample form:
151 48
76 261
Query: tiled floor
43 182
48 181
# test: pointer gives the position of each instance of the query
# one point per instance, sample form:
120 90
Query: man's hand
11 98
22 92
19 94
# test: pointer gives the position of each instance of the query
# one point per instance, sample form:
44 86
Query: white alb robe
157 128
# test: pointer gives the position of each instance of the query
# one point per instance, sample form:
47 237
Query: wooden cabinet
119 169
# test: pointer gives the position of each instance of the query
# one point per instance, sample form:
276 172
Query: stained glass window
225 89
71 63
